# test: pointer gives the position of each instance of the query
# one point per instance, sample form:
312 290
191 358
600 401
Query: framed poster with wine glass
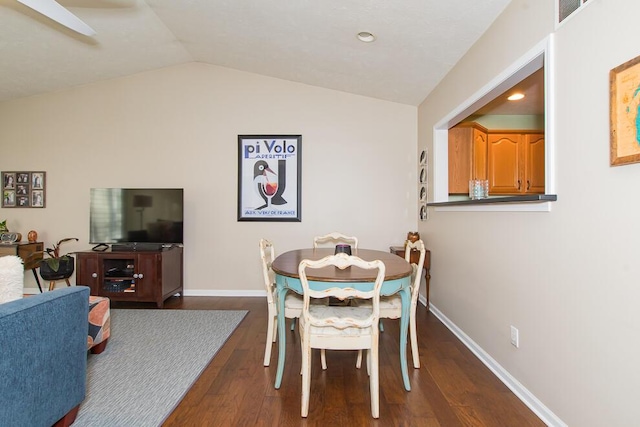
269 178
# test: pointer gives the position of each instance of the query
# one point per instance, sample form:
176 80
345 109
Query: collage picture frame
24 189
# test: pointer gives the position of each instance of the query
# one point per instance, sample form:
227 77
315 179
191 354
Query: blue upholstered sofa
43 358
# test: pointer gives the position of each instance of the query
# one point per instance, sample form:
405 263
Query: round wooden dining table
397 279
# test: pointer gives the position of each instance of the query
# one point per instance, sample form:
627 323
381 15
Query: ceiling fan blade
51 9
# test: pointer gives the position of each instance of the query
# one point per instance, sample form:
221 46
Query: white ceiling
307 41
533 103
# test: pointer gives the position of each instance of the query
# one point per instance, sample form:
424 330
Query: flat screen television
130 216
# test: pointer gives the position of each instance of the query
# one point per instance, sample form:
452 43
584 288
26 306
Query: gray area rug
151 360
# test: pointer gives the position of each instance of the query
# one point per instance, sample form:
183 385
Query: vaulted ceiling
308 41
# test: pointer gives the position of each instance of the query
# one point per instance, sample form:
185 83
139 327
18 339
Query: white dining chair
391 306
341 327
292 301
335 238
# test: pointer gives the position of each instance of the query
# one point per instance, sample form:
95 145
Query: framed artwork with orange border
625 113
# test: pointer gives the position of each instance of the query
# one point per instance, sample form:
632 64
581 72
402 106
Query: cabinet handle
94 275
518 184
528 185
135 275
140 276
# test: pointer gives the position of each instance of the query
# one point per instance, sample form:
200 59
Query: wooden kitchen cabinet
534 163
516 162
467 156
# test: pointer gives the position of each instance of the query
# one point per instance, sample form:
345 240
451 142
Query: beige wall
178 127
529 122
567 279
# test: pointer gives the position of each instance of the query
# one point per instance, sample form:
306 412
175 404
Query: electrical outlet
515 337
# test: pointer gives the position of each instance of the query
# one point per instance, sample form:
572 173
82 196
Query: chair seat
328 311
390 302
294 301
390 307
394 301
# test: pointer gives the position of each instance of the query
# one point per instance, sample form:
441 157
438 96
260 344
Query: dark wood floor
452 388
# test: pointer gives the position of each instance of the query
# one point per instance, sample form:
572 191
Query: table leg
33 270
282 337
427 276
405 296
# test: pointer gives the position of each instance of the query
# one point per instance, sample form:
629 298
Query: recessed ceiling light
366 36
516 97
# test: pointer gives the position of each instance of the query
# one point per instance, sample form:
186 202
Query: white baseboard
223 293
187 293
422 299
548 417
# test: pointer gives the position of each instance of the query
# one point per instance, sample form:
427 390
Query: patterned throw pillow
11 278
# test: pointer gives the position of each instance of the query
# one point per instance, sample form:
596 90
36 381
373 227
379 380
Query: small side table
24 251
414 257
